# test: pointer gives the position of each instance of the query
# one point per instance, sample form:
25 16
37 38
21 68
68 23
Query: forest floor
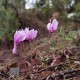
52 51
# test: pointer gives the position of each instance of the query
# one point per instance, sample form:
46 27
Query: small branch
75 59
67 74
47 68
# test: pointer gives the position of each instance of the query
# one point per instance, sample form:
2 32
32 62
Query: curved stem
21 51
31 52
24 49
23 54
30 46
58 43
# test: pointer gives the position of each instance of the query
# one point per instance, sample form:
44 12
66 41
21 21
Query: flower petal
14 49
48 26
19 36
55 24
31 34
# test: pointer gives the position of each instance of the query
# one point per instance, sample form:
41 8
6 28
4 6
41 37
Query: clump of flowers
22 35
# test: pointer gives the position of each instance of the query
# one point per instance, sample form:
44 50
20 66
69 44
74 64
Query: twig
47 68
75 59
67 74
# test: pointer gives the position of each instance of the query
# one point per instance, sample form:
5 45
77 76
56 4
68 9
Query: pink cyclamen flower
30 34
18 37
52 26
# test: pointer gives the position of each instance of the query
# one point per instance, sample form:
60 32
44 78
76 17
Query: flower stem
21 51
30 46
23 54
31 51
24 49
58 42
52 35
